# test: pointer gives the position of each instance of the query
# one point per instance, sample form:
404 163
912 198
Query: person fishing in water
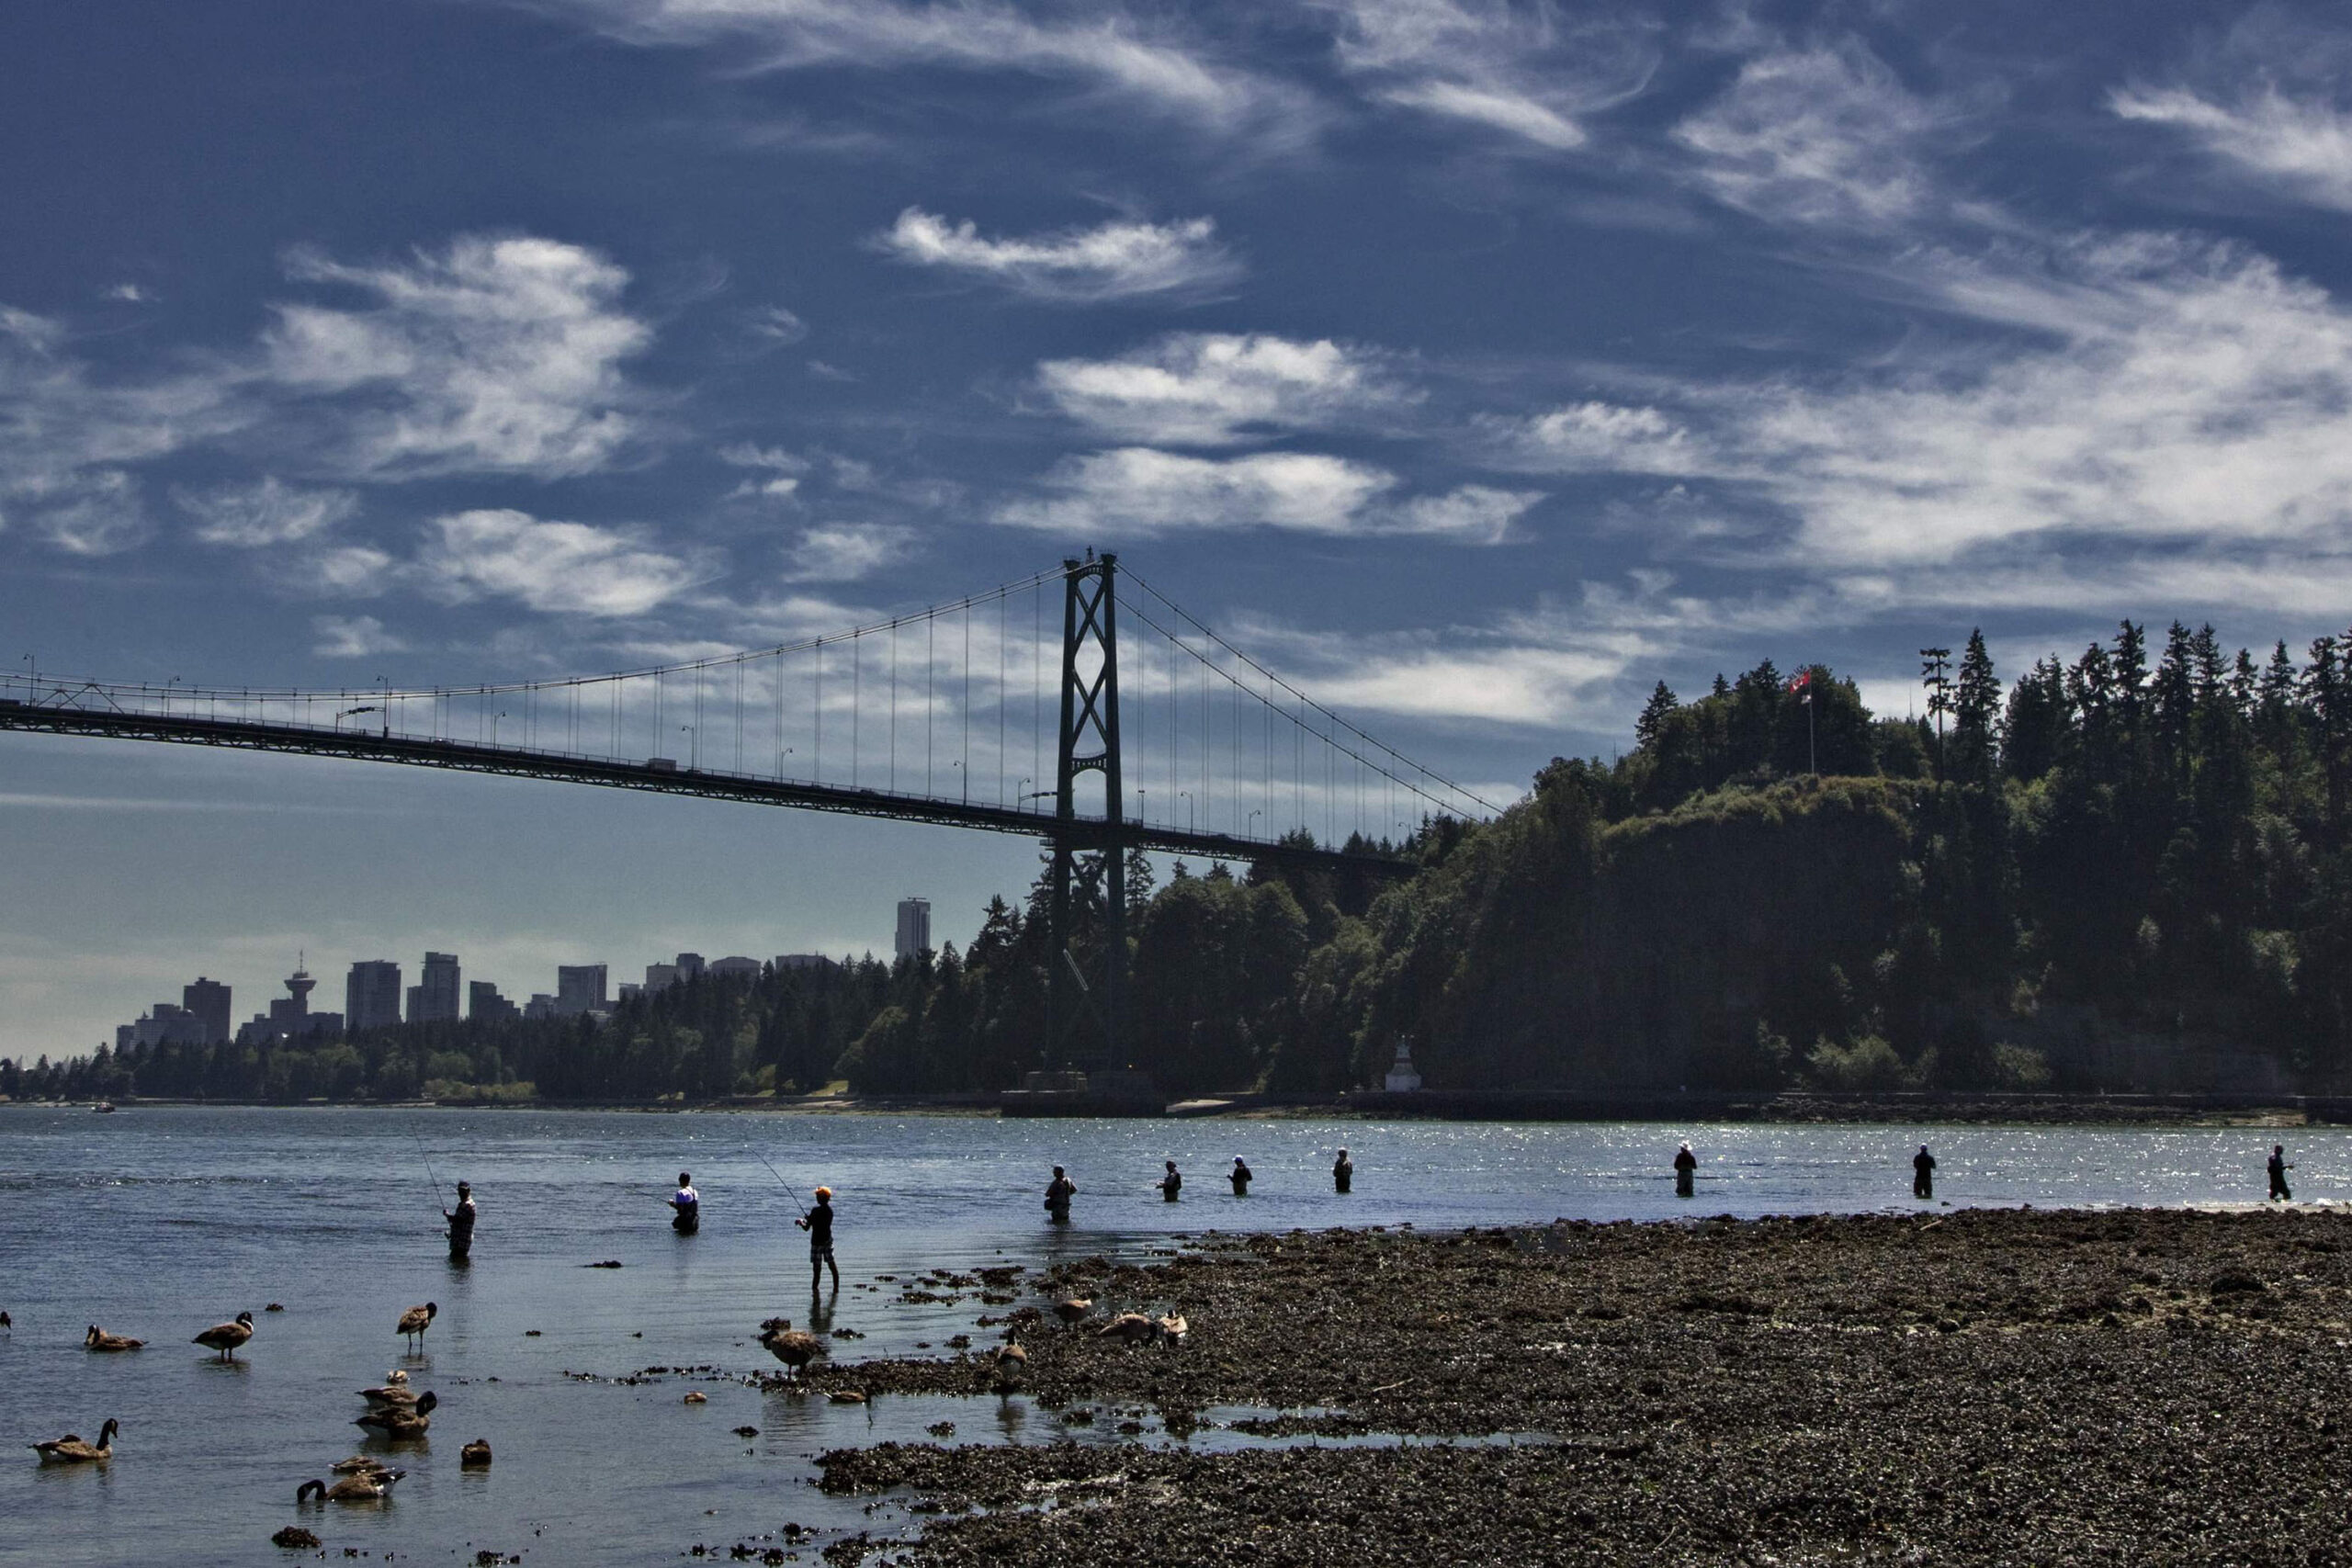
2278 1170
1171 1184
461 1225
1240 1177
1686 1172
1343 1172
1923 1174
687 1202
1058 1192
819 1222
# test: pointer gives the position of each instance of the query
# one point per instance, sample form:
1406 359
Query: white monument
1402 1079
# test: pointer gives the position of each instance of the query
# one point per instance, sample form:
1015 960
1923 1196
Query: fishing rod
789 1190
429 1174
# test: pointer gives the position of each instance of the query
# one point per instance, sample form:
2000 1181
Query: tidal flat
2143 1386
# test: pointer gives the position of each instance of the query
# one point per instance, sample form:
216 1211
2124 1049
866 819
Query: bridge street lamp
1188 809
694 747
493 726
1250 824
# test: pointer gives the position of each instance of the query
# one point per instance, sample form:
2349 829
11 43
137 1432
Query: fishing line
789 1190
428 1167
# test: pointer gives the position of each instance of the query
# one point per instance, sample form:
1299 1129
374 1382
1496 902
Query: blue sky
1475 366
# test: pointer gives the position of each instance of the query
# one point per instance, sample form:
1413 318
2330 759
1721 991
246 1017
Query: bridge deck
668 778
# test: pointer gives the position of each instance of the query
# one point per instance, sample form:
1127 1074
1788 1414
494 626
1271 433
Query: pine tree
1976 712
1662 703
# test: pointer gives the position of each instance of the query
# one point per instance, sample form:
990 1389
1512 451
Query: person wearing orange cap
819 1222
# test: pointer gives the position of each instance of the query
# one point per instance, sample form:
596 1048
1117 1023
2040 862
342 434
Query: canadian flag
1802 685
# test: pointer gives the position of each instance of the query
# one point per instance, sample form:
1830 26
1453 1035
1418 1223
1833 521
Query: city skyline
203 1016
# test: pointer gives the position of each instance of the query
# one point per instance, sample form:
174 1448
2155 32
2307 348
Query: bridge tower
1085 1015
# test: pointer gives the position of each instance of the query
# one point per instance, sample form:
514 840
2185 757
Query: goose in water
6 1322
415 1321
99 1339
1129 1327
401 1420
474 1455
394 1391
794 1348
226 1337
360 1486
1011 1364
70 1450
358 1464
1074 1309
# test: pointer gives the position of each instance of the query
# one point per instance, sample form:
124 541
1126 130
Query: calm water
156 1222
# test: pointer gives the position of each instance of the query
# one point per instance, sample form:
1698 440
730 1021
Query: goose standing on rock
1075 1309
401 1420
1129 1328
226 1337
415 1321
99 1339
794 1348
1012 1365
360 1486
70 1450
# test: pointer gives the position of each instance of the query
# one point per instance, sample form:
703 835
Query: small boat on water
104 1108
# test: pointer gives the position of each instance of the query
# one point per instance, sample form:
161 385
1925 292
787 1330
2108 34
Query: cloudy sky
1476 365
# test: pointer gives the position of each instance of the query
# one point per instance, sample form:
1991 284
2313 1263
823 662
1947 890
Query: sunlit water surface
157 1221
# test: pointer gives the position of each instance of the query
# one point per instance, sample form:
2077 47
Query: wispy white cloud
783 470
1821 136
774 326
353 637
99 511
493 355
562 568
1526 71
1217 389
1140 60
845 552
1138 492
267 513
1123 259
2299 146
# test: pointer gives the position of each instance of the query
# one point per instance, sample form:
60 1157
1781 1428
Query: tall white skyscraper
914 927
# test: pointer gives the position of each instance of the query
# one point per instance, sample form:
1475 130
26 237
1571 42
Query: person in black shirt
1172 1183
819 1222
1240 1177
2278 1170
1058 1192
1686 1172
461 1225
1343 1172
1923 1174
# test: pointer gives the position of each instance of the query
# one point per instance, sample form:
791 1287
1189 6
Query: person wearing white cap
1686 1172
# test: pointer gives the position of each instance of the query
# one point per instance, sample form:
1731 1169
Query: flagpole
1811 756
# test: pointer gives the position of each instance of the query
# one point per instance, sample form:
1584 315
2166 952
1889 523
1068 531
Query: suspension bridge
1028 708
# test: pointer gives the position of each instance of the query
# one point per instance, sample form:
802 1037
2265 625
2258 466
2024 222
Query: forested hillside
2131 870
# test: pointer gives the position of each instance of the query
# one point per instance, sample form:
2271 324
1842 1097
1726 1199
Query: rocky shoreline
1969 1386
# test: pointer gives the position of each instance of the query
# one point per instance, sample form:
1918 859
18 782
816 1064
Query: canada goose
99 1339
696 1398
226 1337
401 1420
393 1390
474 1455
1130 1327
1011 1364
1173 1329
70 1450
358 1464
416 1320
1072 1309
360 1486
793 1347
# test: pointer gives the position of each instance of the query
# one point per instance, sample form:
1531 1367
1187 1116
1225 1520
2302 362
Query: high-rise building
289 1017
660 977
914 927
741 966
484 1004
690 967
541 1005
579 987
804 961
208 1000
371 996
435 999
